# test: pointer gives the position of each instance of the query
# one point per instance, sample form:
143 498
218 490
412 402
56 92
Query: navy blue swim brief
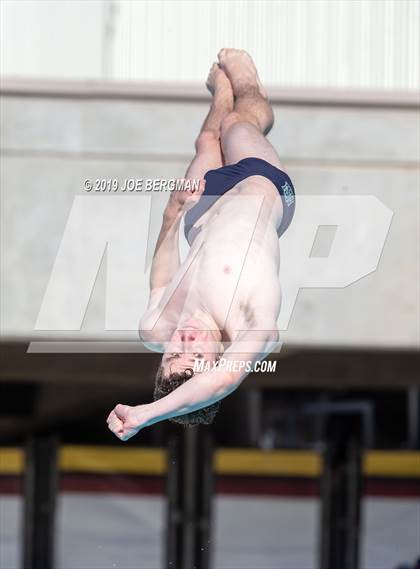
223 179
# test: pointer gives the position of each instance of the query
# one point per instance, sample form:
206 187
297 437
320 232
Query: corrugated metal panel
52 39
343 43
314 43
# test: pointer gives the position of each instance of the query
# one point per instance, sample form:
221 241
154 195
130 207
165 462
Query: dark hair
165 385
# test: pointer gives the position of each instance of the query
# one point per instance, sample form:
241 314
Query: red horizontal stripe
123 484
227 485
11 484
392 488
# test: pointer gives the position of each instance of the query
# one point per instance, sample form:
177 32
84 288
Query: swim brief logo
289 196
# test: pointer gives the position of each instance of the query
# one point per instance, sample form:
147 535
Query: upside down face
188 346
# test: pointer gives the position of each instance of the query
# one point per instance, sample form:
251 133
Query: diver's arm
166 263
206 388
166 256
201 390
164 266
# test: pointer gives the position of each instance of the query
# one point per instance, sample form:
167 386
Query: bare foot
240 69
218 83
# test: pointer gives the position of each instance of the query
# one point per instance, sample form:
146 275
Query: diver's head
190 348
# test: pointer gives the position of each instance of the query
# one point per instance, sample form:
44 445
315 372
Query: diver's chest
222 275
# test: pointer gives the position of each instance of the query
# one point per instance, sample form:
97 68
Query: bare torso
232 267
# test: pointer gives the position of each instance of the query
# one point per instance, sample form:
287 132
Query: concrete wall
50 145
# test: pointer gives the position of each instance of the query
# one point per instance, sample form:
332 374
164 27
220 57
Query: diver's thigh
244 140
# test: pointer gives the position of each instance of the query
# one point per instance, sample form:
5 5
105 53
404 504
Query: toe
222 53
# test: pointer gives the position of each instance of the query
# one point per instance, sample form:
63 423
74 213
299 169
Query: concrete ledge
298 367
195 92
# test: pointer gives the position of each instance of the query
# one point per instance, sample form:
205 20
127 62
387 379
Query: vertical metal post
41 482
413 417
341 492
189 490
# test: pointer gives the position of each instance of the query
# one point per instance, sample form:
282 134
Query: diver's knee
239 123
207 140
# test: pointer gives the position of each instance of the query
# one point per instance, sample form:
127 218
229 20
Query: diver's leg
243 130
208 151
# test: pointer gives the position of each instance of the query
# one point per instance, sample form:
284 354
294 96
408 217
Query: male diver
226 294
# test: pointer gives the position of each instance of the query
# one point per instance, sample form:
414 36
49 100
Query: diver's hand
126 421
183 200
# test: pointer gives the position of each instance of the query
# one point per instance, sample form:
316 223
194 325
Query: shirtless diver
223 301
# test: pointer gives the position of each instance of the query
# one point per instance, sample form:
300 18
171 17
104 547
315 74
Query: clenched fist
126 421
185 199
